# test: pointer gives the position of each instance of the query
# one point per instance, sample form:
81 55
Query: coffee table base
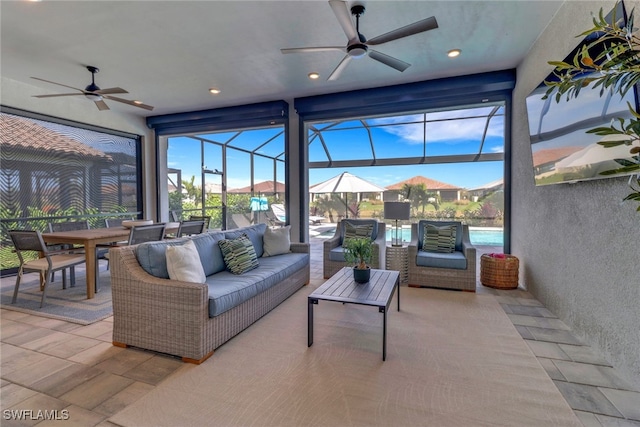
341 287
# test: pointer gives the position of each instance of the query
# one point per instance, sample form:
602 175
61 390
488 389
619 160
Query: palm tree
193 192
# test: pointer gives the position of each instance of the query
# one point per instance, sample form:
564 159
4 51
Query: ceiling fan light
357 50
93 97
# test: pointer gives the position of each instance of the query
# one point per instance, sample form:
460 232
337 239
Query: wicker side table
397 258
499 272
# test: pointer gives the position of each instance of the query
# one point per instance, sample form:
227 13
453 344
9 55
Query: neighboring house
545 160
264 188
486 189
447 192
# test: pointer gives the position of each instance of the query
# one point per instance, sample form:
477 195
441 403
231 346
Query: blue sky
448 133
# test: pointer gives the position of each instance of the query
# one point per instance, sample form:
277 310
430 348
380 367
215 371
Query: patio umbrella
346 183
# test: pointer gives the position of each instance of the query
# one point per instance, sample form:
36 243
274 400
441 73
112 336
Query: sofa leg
197 361
184 359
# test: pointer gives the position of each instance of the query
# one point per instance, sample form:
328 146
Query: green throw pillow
239 254
357 231
439 238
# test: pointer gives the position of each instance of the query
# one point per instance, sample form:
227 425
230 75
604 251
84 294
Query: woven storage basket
499 273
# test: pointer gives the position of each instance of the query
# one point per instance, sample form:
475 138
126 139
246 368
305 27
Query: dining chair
115 222
68 226
205 218
50 261
146 233
188 228
138 234
102 250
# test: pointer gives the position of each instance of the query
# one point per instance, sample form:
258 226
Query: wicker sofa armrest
468 249
302 248
379 247
154 313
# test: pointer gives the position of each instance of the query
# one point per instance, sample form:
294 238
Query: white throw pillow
276 241
183 263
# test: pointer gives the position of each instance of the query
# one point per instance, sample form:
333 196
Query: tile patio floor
53 364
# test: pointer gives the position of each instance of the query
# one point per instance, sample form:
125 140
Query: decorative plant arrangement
610 62
359 252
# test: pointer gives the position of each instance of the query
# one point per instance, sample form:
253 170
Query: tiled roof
430 184
552 155
20 133
260 187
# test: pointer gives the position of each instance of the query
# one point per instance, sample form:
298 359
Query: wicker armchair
446 271
333 255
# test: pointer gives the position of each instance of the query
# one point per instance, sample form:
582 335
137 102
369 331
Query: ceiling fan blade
126 101
344 18
389 60
101 105
312 49
58 94
110 90
335 74
408 30
54 83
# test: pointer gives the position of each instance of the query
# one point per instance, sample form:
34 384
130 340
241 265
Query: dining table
90 239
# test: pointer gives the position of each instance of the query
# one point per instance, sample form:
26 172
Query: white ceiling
169 53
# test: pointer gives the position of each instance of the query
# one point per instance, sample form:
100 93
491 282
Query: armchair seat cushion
337 254
455 260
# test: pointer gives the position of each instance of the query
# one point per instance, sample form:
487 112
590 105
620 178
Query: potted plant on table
358 252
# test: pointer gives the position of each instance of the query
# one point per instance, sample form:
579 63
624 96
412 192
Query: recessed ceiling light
453 53
214 91
137 102
314 76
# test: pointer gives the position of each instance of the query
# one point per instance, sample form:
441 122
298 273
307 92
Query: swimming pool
489 236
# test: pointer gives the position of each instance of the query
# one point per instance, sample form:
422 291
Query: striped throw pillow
439 238
239 254
357 231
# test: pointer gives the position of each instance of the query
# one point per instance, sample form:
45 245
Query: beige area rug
453 359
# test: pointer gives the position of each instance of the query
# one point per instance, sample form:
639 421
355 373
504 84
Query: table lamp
397 210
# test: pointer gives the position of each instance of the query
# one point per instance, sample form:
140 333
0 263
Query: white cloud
459 129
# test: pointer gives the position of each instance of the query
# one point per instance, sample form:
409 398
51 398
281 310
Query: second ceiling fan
358 46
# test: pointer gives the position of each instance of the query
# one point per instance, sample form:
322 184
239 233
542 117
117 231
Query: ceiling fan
94 93
358 46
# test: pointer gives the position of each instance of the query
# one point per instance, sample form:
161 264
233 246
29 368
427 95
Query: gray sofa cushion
441 260
153 259
255 234
227 290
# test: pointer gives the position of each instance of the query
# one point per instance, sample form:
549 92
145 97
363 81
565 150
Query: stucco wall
579 244
19 95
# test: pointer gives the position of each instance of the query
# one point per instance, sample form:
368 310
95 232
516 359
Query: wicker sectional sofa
188 319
